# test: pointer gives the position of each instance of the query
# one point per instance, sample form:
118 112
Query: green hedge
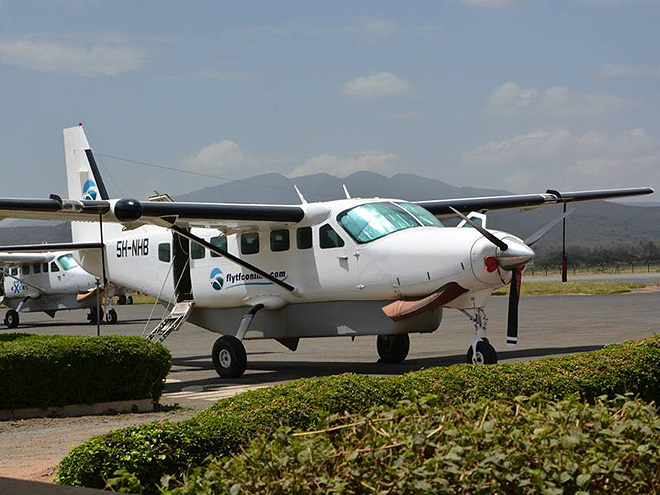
55 370
157 449
518 446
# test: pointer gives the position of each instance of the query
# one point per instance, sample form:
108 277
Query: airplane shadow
51 324
272 372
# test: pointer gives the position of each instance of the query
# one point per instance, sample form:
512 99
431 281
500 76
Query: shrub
55 370
157 449
517 446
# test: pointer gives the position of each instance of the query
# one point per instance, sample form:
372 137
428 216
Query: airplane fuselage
341 284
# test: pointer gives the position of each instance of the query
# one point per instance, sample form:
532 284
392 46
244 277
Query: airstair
172 322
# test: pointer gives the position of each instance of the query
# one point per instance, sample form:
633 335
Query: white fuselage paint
339 291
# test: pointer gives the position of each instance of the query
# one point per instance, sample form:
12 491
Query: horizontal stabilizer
400 310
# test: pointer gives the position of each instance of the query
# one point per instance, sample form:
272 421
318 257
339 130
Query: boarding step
172 321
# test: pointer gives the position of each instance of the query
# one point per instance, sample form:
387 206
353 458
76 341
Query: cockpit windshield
67 262
371 221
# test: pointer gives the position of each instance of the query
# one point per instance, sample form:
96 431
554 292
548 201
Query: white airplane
50 282
383 267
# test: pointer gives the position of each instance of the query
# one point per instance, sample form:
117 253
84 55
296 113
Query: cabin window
67 262
304 237
36 268
14 271
164 252
328 238
250 243
197 251
44 267
279 240
26 269
53 267
220 242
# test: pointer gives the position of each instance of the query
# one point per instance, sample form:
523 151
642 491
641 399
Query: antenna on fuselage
300 195
348 195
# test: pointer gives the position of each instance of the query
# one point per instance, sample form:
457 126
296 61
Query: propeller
513 255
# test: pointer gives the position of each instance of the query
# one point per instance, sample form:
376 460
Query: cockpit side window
67 262
421 214
328 237
53 267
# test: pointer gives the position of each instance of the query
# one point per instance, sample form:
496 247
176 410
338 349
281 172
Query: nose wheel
480 351
486 353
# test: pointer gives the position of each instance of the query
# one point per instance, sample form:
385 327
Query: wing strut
231 257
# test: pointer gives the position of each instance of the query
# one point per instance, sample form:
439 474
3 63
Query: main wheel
129 300
121 300
229 357
392 348
111 317
11 318
91 317
486 354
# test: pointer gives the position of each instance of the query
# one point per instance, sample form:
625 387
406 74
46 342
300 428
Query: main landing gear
228 353
11 318
480 351
392 348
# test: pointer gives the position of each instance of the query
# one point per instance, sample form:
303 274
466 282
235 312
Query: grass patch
151 451
576 287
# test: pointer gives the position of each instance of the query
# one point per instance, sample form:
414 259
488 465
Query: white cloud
489 3
374 161
379 85
223 156
93 60
561 158
626 70
511 99
379 27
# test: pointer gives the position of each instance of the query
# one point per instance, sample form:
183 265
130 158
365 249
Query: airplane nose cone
518 254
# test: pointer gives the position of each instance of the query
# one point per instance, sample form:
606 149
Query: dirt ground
30 449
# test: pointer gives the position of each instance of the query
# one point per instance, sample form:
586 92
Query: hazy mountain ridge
593 223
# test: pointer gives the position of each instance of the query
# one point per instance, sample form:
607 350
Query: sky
522 95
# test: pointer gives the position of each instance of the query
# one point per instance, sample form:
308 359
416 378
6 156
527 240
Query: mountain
593 223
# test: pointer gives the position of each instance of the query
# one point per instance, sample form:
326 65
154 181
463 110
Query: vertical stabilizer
84 181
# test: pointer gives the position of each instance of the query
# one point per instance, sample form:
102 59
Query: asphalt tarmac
549 326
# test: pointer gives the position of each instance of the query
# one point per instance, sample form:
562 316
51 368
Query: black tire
486 353
129 300
393 348
11 318
229 357
121 300
91 317
111 317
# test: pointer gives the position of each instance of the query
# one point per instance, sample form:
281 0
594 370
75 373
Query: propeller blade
514 299
498 242
536 236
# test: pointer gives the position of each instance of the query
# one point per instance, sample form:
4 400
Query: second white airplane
350 267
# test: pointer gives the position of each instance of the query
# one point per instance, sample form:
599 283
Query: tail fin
84 181
83 176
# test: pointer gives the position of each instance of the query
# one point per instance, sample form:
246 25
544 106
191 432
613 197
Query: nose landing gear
480 351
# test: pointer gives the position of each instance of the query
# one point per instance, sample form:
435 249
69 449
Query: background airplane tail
84 181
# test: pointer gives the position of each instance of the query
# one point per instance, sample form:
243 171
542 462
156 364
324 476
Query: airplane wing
233 217
229 217
12 259
442 208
